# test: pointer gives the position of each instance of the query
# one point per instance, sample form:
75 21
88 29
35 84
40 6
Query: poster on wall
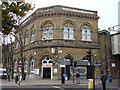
55 70
36 71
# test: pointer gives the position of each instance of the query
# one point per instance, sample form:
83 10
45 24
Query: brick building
54 34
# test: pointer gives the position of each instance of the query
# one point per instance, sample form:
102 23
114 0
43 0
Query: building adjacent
1 65
119 14
53 35
115 60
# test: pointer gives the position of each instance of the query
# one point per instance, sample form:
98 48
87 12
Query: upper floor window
16 44
47 28
47 32
22 39
68 32
33 36
26 39
86 34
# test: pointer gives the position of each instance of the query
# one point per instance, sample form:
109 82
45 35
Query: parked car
3 73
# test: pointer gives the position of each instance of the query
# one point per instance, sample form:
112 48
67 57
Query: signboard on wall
55 70
115 40
36 71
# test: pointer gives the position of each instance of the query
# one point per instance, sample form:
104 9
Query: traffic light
88 56
75 64
71 62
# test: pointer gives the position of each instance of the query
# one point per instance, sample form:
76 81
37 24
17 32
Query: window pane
88 35
65 32
71 33
25 66
50 33
44 34
83 34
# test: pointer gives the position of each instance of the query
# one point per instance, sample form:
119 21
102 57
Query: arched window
47 32
68 32
47 28
65 32
15 66
86 34
68 58
32 65
33 38
71 32
26 38
47 60
25 66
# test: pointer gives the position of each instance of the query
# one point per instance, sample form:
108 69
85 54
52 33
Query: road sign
62 65
79 62
20 65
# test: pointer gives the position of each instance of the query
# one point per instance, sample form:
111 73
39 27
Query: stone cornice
67 14
59 10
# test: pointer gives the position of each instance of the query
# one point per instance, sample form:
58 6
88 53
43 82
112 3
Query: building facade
55 34
115 60
119 14
105 52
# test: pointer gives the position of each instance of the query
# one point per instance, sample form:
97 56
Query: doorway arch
47 67
68 67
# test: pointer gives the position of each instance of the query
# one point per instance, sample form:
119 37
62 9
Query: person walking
78 77
16 79
103 80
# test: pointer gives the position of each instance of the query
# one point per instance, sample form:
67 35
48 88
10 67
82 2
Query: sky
107 9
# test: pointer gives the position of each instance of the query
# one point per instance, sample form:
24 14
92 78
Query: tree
12 12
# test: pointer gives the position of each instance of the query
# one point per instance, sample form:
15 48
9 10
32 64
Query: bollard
90 84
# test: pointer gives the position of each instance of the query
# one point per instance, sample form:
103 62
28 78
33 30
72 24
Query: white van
3 73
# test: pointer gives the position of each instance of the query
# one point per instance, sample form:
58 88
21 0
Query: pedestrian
103 80
16 79
78 77
8 77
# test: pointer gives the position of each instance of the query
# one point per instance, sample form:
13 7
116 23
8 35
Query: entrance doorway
46 73
67 71
47 68
68 58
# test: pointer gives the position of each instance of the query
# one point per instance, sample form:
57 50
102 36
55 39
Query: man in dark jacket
78 77
103 79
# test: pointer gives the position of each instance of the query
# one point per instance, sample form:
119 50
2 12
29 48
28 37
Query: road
51 87
6 85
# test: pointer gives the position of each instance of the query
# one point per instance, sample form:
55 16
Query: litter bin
109 78
90 84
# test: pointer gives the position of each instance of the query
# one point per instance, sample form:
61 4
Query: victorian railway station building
58 34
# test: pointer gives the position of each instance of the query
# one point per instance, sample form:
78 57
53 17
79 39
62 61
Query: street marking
59 87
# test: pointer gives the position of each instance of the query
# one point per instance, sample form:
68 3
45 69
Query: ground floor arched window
25 65
15 66
32 65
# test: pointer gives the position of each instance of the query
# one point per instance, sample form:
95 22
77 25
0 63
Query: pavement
83 82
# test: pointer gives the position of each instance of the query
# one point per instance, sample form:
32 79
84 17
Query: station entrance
46 73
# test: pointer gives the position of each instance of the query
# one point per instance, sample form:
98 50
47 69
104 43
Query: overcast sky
107 9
